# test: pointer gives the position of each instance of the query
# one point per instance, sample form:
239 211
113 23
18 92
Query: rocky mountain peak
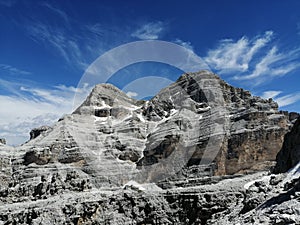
199 111
105 96
117 160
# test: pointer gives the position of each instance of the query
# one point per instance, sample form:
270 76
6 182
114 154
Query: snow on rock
293 174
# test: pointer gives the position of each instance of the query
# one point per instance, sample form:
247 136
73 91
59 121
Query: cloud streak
13 70
185 44
273 64
235 56
57 11
270 94
256 59
284 100
149 31
57 39
78 44
27 107
288 99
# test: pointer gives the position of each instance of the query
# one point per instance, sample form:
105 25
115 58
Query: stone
289 155
38 131
2 141
193 154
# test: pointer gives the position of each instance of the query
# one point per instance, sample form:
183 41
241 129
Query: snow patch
265 179
293 173
173 112
141 118
135 185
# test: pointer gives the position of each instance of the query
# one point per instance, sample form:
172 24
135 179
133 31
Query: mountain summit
191 133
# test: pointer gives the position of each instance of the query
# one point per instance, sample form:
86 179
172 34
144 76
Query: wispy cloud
78 44
298 28
185 44
270 94
57 39
13 70
235 56
57 11
283 100
288 99
27 107
97 29
149 31
256 59
271 65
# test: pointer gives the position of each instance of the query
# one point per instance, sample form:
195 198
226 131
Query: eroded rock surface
38 131
2 141
117 160
289 155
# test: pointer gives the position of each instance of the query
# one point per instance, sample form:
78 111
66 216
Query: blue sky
45 47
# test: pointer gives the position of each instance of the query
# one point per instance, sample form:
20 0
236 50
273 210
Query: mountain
179 158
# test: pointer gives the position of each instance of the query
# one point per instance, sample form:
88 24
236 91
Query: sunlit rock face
117 155
198 120
247 131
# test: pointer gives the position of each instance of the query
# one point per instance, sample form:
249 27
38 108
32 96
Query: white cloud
270 94
29 107
271 65
13 70
185 44
149 31
288 99
131 94
231 56
284 100
256 59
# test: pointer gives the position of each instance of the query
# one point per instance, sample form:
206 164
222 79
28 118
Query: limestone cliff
117 160
289 155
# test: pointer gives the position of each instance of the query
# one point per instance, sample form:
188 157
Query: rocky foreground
199 152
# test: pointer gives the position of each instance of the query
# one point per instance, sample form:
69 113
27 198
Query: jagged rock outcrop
117 160
38 131
289 155
272 199
293 116
252 129
2 141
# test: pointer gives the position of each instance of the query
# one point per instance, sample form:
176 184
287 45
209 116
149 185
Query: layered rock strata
117 160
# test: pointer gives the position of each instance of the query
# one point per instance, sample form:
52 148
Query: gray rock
289 155
38 131
117 160
2 141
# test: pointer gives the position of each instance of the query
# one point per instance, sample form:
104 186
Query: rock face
289 155
272 199
2 141
251 128
117 160
38 131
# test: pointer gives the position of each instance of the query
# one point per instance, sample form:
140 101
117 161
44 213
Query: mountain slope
112 153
